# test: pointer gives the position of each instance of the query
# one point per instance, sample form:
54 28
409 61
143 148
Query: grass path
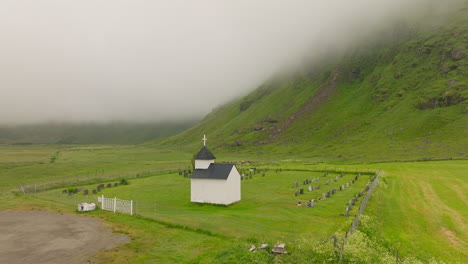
422 209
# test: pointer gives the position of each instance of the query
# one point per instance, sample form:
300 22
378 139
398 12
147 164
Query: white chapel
215 183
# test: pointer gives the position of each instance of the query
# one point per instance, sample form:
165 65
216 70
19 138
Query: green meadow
417 211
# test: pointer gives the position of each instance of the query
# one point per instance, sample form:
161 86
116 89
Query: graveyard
268 208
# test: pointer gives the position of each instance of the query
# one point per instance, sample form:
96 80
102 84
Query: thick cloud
102 60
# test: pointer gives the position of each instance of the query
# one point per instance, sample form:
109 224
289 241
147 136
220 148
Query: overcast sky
103 60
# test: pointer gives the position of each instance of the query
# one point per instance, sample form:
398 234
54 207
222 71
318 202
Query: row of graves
186 173
246 174
355 198
312 186
86 191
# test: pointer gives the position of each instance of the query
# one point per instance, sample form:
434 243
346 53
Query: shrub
123 181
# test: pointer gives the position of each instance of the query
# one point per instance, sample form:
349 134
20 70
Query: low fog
137 60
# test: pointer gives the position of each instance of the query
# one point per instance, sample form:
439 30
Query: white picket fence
116 205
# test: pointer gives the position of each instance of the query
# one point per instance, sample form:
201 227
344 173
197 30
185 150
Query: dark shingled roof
205 154
214 171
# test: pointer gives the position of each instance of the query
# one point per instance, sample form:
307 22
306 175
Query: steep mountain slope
402 97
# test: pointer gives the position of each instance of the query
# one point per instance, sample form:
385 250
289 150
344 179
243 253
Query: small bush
123 181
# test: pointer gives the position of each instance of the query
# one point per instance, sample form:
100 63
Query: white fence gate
116 205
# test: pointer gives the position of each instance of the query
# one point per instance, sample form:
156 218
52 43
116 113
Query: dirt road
44 237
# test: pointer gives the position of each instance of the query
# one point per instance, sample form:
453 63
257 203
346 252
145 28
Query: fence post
131 207
115 203
102 202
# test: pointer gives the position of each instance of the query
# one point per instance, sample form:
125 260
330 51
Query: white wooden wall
217 191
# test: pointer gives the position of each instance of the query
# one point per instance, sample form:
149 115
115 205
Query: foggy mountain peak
159 60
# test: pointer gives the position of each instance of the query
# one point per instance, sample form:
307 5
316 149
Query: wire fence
339 242
91 179
369 189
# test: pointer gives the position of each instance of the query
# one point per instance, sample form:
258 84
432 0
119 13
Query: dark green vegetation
89 133
401 97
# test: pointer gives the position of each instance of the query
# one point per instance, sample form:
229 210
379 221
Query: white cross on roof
204 140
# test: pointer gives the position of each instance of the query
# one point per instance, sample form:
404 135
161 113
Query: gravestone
341 188
312 203
336 178
347 211
324 196
101 185
180 173
94 191
308 204
116 184
75 190
296 184
347 184
310 188
301 191
242 177
109 185
352 181
355 178
328 182
85 192
263 174
296 193
328 194
64 192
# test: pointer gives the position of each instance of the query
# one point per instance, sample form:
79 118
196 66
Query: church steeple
204 154
204 157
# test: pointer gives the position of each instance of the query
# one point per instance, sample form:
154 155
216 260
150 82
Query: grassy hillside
89 133
401 97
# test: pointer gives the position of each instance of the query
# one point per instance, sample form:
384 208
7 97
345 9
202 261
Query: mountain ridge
404 97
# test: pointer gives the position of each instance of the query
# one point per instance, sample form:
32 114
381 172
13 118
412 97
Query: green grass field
268 209
418 208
